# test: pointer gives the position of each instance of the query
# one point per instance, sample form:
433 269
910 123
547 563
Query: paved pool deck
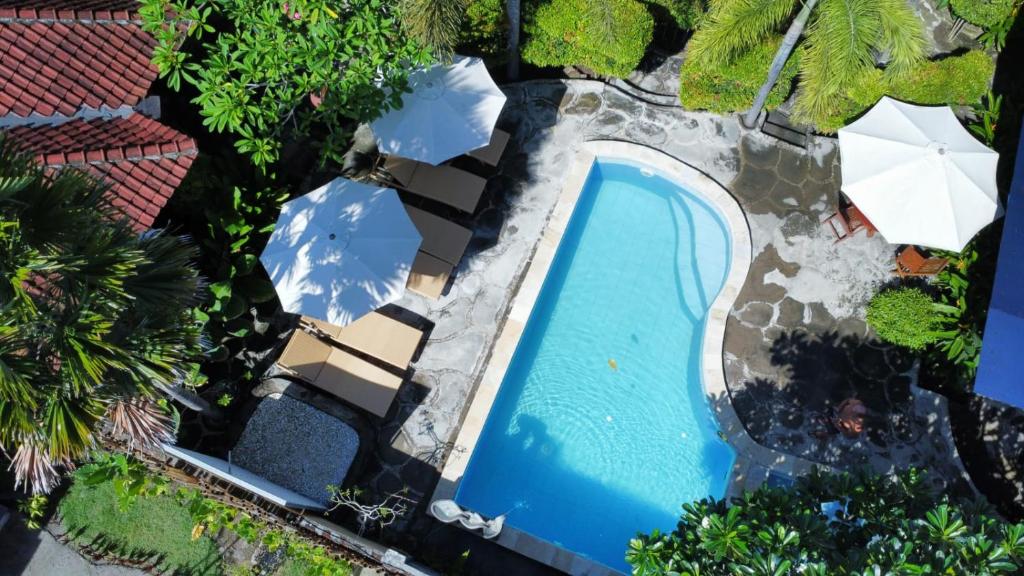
795 341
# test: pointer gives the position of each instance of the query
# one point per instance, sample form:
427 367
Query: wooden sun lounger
444 243
376 335
491 153
339 373
445 184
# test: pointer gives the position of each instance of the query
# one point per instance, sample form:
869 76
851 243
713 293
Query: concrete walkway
38 553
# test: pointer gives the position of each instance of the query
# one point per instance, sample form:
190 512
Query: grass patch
150 527
294 567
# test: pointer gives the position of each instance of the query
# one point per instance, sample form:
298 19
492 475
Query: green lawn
150 526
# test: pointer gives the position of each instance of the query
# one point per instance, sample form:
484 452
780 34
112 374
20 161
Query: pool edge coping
753 461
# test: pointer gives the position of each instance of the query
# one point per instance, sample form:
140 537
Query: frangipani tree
94 320
843 38
255 62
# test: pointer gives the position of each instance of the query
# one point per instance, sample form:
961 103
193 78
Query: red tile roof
60 56
143 159
50 66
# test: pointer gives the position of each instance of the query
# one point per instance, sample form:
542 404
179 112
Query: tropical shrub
957 80
238 210
254 63
824 525
904 316
686 13
95 321
731 87
961 313
984 13
840 42
608 37
484 28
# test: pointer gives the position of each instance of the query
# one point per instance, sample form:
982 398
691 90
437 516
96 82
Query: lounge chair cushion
359 382
442 238
376 335
335 371
445 184
429 276
491 153
382 337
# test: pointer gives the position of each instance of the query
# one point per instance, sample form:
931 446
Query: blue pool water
601 428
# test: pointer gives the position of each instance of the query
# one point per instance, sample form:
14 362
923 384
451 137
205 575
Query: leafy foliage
91 313
984 13
255 61
873 525
484 29
956 80
987 113
34 509
841 43
686 13
961 314
731 87
904 316
609 37
239 211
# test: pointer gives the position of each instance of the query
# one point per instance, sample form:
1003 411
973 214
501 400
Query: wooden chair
847 220
910 262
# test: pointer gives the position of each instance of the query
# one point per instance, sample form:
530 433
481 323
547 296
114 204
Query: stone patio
796 341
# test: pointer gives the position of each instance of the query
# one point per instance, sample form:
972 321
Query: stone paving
796 341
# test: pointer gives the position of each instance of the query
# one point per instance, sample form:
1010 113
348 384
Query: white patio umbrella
450 111
341 251
918 175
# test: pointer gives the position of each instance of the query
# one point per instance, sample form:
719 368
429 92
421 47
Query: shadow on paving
816 373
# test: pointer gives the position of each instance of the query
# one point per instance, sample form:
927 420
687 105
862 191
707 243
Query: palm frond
141 421
167 281
902 36
434 24
34 468
17 368
838 48
733 26
68 424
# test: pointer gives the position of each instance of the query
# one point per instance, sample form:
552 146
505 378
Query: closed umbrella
341 251
918 175
451 110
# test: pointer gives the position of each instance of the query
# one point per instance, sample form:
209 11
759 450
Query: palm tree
94 320
434 24
843 39
514 10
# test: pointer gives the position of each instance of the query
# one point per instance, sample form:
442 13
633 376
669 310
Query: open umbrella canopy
341 251
450 111
918 175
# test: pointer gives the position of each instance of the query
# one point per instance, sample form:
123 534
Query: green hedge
956 80
606 36
904 316
484 28
732 88
684 12
984 13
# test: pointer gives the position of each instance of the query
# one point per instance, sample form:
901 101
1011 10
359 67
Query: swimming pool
600 427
